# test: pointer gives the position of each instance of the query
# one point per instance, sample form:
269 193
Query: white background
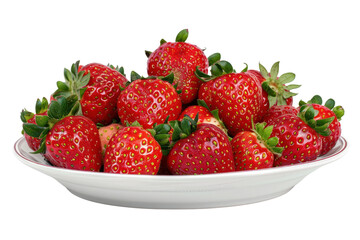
317 40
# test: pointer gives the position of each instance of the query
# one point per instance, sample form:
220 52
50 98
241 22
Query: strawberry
204 115
106 132
254 149
67 140
74 143
29 117
274 90
199 149
299 136
133 150
237 95
256 75
149 101
328 110
278 110
181 59
97 87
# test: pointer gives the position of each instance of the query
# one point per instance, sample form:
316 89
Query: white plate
201 191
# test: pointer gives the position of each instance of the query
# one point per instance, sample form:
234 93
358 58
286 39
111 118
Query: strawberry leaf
245 69
263 71
54 110
148 53
33 130
226 66
272 142
330 103
263 135
168 78
162 41
212 59
182 35
62 86
41 106
216 70
42 120
274 70
25 115
134 76
339 112
286 78
292 86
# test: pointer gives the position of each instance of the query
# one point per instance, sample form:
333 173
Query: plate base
178 205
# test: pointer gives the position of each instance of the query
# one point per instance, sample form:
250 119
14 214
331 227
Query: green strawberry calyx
41 107
184 128
181 129
161 134
276 86
58 109
330 104
218 68
75 83
321 126
263 135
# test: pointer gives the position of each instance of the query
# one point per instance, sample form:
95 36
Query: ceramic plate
200 191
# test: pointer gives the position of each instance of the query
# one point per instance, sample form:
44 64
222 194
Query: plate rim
267 171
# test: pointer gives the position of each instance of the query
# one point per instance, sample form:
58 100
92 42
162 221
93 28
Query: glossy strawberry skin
238 98
132 150
277 111
74 143
106 132
249 153
148 101
205 151
256 75
100 98
182 59
328 142
301 143
204 115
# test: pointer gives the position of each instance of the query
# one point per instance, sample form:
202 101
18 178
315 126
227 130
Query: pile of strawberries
192 115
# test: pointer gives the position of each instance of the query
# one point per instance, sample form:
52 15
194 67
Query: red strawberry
277 111
254 149
328 110
180 58
204 115
256 75
201 149
106 132
74 143
237 96
299 136
149 102
68 141
133 150
98 88
29 117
